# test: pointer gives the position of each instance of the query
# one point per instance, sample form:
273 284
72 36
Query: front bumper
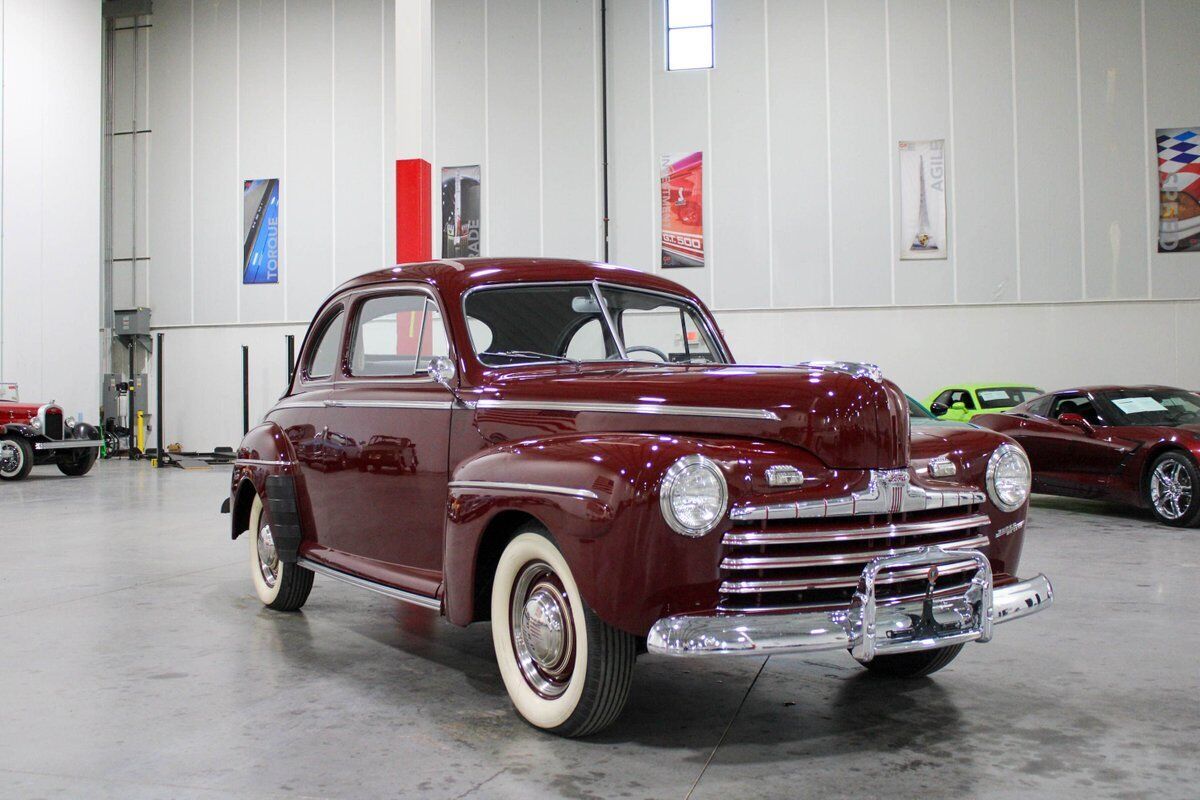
866 628
66 444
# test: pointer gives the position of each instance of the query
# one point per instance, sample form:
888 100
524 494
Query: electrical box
131 322
140 391
110 397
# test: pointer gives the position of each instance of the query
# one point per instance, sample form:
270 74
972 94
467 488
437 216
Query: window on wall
689 34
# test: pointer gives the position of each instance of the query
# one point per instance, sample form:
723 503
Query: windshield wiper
528 354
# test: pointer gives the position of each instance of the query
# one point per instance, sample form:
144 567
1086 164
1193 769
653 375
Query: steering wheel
647 348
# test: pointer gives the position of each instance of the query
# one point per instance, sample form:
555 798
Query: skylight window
689 34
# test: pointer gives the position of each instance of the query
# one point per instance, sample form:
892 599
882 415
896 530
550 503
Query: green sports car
965 400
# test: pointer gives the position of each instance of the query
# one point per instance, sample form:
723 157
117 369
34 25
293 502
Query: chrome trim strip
539 488
66 444
827 605
835 559
735 537
630 408
296 404
801 584
391 591
261 462
434 405
888 492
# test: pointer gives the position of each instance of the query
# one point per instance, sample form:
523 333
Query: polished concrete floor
136 662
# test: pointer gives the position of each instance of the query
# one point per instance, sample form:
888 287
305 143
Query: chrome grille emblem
784 475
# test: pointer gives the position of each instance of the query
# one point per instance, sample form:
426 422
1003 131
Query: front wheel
16 458
566 671
281 586
913 665
79 463
1173 490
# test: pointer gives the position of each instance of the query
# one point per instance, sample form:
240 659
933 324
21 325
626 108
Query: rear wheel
16 458
79 463
566 671
279 585
1173 491
913 665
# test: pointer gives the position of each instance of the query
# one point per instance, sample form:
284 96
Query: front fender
631 568
264 452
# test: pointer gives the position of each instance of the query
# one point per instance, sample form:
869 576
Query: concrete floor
136 662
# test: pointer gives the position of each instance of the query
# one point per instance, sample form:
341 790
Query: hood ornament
855 369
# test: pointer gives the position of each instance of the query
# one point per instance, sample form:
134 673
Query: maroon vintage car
33 434
599 478
1137 445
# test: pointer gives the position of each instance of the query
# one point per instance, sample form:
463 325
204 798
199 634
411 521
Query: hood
17 412
847 421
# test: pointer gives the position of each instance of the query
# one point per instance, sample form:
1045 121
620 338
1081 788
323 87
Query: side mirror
1076 421
441 369
938 409
959 406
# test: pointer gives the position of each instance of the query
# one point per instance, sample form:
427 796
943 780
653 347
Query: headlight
693 495
36 424
1008 477
69 422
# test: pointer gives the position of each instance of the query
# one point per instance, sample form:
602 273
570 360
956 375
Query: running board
362 583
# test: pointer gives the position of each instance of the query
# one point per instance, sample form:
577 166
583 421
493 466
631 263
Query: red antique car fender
265 452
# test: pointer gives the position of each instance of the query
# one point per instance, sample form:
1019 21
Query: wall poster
260 230
923 200
681 177
1179 189
460 211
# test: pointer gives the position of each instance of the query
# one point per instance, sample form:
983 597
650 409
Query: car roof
1116 388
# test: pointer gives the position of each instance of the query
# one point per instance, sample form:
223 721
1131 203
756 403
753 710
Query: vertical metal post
291 355
245 389
160 452
130 416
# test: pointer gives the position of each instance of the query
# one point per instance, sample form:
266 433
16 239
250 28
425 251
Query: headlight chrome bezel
1006 451
671 477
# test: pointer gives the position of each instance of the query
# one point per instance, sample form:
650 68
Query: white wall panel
860 153
1050 193
984 149
919 102
798 178
1172 56
513 170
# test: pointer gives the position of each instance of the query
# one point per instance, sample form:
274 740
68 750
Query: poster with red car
681 178
1179 189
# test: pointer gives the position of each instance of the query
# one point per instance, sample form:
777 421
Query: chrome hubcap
1171 489
268 558
10 458
542 630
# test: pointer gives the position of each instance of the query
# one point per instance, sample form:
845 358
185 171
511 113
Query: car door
1070 459
395 421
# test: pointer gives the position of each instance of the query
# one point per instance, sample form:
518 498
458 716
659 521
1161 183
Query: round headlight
1008 477
36 424
69 422
693 495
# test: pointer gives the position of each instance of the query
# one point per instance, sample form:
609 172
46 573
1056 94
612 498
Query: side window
962 396
396 335
944 398
325 352
1041 407
1076 404
587 343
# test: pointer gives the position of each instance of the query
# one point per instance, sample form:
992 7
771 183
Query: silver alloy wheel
11 458
1171 489
542 628
268 557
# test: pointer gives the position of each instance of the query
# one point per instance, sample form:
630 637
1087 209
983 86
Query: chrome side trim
630 408
391 591
889 492
434 405
835 559
735 537
296 404
538 488
66 444
261 462
848 582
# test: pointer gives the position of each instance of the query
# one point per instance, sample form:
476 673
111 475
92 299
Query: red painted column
414 223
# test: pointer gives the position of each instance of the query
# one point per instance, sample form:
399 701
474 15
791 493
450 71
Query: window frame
323 327
360 299
712 37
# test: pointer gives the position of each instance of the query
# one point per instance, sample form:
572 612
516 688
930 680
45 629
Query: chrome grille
808 562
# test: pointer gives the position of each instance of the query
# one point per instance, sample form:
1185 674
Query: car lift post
245 389
160 453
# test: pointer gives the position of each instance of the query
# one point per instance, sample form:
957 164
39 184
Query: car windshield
917 411
1005 396
565 323
1154 406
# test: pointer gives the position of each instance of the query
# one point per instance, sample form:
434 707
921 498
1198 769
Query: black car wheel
16 458
1173 490
78 463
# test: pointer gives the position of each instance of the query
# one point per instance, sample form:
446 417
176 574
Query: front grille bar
851 534
840 582
834 559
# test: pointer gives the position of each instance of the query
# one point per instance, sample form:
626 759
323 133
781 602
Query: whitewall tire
566 671
283 587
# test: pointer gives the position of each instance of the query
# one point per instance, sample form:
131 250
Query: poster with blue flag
260 231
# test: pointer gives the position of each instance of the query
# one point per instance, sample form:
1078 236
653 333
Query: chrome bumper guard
67 444
867 629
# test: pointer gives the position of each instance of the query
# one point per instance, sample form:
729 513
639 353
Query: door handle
333 404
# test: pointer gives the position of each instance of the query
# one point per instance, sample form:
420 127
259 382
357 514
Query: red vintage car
1136 445
598 478
33 434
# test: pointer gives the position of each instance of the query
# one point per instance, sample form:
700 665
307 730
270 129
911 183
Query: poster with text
460 212
260 230
1178 189
923 199
681 178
